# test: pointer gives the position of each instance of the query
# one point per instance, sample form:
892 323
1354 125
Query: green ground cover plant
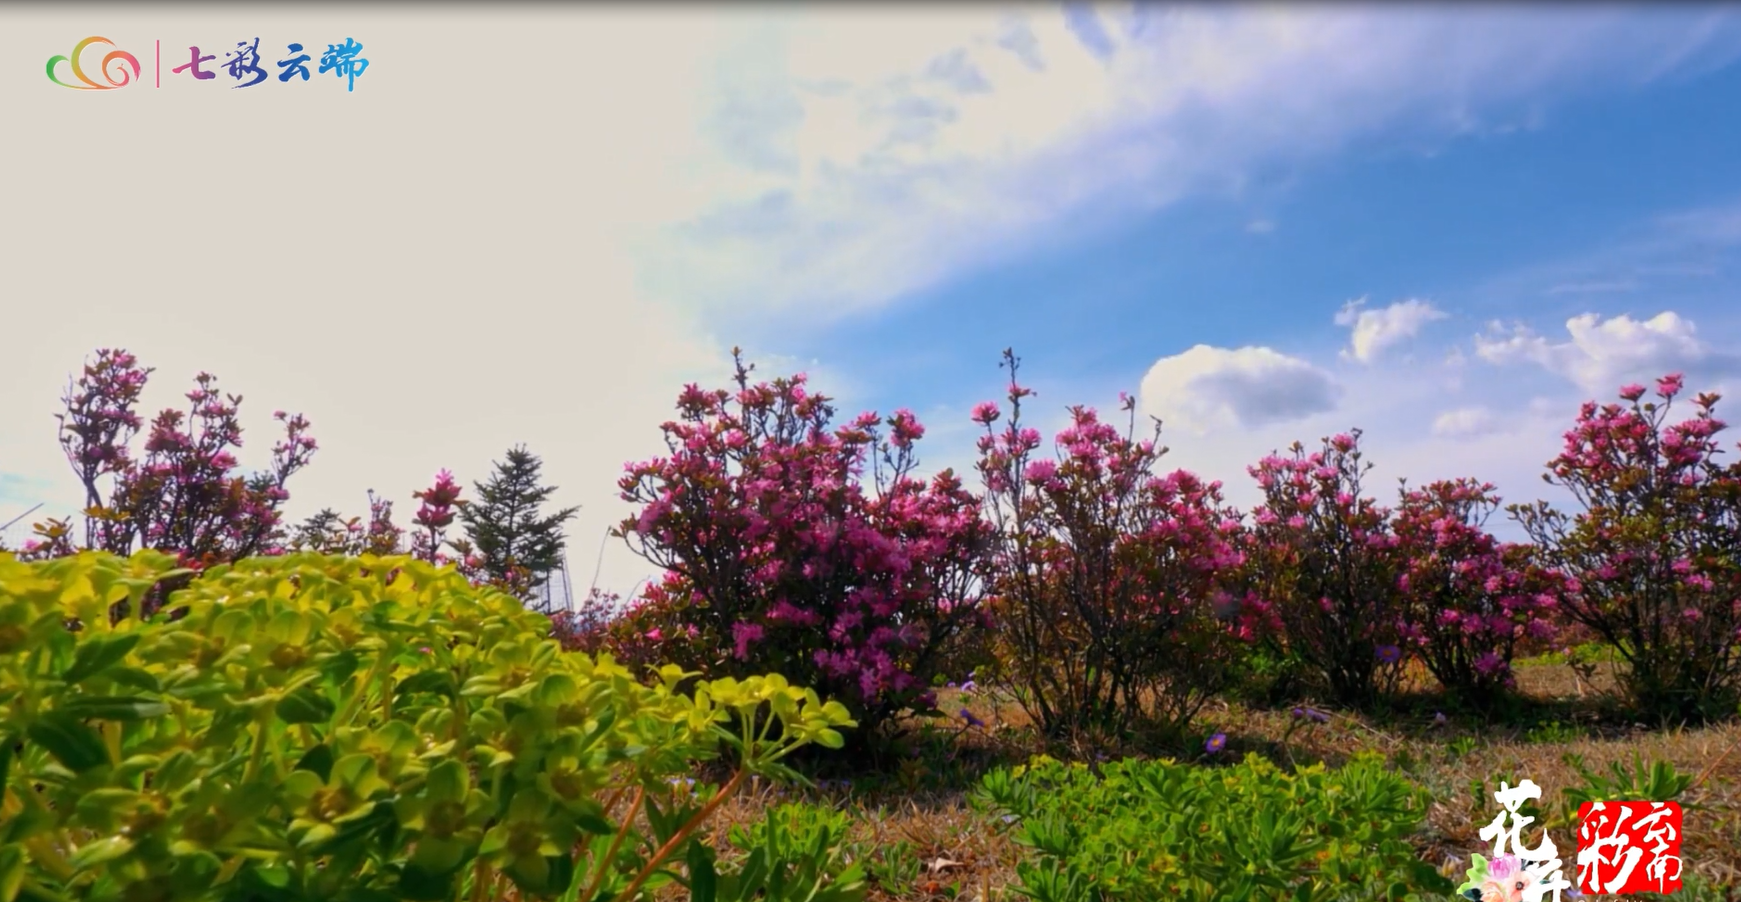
1159 829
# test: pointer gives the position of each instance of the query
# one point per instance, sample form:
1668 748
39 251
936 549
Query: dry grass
960 854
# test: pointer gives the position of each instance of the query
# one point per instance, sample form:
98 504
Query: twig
1389 739
1712 767
19 517
616 844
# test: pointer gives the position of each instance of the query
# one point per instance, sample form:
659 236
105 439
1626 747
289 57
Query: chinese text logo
1613 837
242 65
1516 873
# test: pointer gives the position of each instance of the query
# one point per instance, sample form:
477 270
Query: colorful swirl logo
114 57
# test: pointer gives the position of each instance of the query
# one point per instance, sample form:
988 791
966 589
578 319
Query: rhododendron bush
1109 602
1655 549
809 549
1469 600
185 494
1326 566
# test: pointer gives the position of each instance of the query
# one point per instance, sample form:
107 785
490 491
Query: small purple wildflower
1311 714
1389 654
1439 719
1215 744
971 720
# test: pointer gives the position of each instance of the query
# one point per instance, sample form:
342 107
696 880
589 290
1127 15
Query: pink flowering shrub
185 495
441 504
1325 565
804 549
1110 582
1469 600
585 627
1655 550
649 632
328 533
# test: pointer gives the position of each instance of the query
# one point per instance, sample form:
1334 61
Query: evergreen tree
518 547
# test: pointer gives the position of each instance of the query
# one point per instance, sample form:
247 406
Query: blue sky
1445 225
1617 199
1510 226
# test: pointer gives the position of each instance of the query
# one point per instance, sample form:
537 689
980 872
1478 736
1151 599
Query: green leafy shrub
1661 782
335 728
893 867
793 855
1161 830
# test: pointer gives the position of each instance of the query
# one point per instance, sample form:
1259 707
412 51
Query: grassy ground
922 842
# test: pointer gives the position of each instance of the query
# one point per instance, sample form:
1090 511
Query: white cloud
1206 388
1375 330
1601 354
1260 227
1408 431
1464 421
878 154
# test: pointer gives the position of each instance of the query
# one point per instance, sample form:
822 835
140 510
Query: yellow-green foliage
1142 830
343 729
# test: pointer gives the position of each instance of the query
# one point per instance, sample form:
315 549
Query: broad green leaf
306 705
97 654
71 741
107 849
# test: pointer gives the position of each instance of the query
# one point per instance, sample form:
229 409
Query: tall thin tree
518 546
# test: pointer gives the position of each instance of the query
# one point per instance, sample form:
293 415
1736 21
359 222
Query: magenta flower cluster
1113 584
1653 554
1325 562
796 545
1468 600
186 493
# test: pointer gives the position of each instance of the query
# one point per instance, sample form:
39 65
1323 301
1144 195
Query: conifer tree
517 545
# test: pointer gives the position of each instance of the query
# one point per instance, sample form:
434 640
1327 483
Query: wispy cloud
1614 287
1464 422
1260 226
897 152
1683 259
